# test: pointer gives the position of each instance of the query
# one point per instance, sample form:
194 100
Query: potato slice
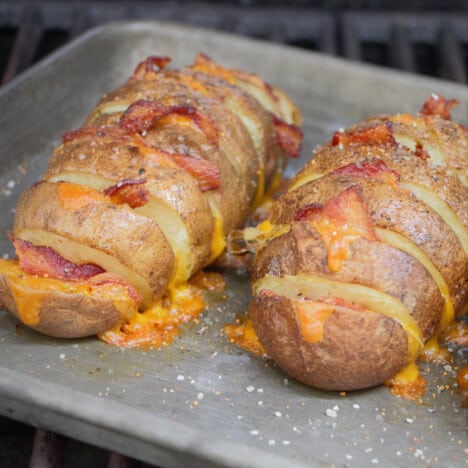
63 309
117 231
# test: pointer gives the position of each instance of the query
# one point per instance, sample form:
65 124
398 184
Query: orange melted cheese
312 316
337 239
433 352
159 324
75 197
29 292
408 383
244 336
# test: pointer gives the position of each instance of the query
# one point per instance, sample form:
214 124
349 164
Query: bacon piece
130 191
143 114
148 67
420 152
438 105
206 173
106 278
205 64
45 261
376 168
112 133
380 134
309 211
341 221
288 136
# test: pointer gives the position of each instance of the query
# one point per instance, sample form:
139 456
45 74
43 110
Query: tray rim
216 451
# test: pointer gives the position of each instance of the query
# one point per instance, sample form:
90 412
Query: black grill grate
431 43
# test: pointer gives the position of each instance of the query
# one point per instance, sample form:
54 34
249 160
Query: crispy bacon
45 261
420 152
308 211
130 191
143 114
205 64
111 278
288 136
113 133
149 67
380 134
375 168
206 173
438 105
342 220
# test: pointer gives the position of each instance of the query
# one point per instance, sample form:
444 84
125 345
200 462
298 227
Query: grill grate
428 43
433 44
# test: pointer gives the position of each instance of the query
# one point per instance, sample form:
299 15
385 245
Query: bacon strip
288 136
149 67
130 191
376 168
206 173
438 105
45 261
143 114
381 134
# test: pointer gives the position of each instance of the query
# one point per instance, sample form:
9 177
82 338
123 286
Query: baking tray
202 401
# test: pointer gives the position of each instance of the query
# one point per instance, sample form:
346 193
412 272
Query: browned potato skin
239 168
140 244
302 251
327 158
171 185
395 210
375 346
65 315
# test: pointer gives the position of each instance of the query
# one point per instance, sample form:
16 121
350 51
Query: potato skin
367 264
62 314
140 245
390 209
170 184
359 350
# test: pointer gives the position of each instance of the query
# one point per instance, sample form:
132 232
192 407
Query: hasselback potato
141 197
366 257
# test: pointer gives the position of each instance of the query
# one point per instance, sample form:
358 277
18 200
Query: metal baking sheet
202 401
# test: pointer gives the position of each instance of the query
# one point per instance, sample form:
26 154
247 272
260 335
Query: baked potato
365 258
141 197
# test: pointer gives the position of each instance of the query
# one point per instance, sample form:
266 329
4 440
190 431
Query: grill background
426 37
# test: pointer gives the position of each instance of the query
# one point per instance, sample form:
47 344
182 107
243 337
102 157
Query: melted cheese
29 292
314 287
80 253
243 335
402 243
159 324
312 317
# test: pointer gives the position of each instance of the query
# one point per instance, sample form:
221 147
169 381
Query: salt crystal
250 388
331 413
180 377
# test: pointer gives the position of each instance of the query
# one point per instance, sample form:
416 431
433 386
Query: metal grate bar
80 23
351 46
25 45
48 450
451 56
401 53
